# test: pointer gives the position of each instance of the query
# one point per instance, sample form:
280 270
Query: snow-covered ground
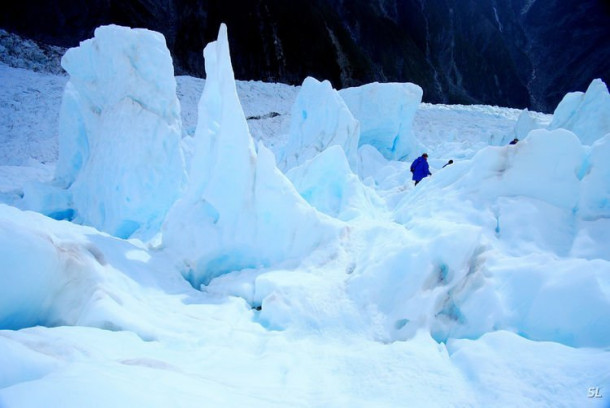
338 284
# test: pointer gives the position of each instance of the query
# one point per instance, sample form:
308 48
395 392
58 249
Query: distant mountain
516 53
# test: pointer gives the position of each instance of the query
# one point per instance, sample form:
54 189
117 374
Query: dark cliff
517 53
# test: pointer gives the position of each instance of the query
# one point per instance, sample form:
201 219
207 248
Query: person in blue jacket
420 168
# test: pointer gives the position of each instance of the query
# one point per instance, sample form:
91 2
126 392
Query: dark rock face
569 45
517 53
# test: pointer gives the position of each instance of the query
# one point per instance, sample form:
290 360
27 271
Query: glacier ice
531 205
586 114
239 210
385 112
51 274
119 132
319 119
525 124
328 184
503 253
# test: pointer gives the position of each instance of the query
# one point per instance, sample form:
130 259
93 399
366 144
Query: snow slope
488 284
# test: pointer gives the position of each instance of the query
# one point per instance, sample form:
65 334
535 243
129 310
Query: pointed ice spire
239 211
224 152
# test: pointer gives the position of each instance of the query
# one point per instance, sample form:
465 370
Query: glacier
324 278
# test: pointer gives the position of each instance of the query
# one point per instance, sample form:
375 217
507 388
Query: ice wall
239 210
586 114
319 119
385 112
120 130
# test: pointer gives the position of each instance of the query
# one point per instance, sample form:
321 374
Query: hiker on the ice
448 163
420 168
514 141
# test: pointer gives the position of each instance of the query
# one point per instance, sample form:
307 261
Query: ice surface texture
119 131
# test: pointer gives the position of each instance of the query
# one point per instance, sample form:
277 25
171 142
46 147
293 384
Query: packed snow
250 244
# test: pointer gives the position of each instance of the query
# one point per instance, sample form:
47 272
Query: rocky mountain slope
516 53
